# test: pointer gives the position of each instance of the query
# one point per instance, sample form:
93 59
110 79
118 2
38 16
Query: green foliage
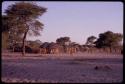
25 10
9 33
24 20
109 39
34 44
90 40
63 40
24 16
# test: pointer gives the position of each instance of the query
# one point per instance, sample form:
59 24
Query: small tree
26 14
90 40
63 41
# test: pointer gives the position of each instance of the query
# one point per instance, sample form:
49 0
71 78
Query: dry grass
79 68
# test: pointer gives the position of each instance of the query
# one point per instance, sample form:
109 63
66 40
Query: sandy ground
62 68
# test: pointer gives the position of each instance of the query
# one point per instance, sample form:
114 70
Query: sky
77 20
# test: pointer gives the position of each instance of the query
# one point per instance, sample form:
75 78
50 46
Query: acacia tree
25 14
90 40
108 39
63 40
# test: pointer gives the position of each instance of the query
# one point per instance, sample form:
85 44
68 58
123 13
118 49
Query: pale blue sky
78 20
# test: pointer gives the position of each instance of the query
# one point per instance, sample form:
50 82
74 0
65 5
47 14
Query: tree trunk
24 39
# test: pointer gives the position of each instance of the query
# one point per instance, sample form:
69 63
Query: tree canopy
90 40
63 40
108 39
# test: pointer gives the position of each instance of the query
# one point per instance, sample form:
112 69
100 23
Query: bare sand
62 68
